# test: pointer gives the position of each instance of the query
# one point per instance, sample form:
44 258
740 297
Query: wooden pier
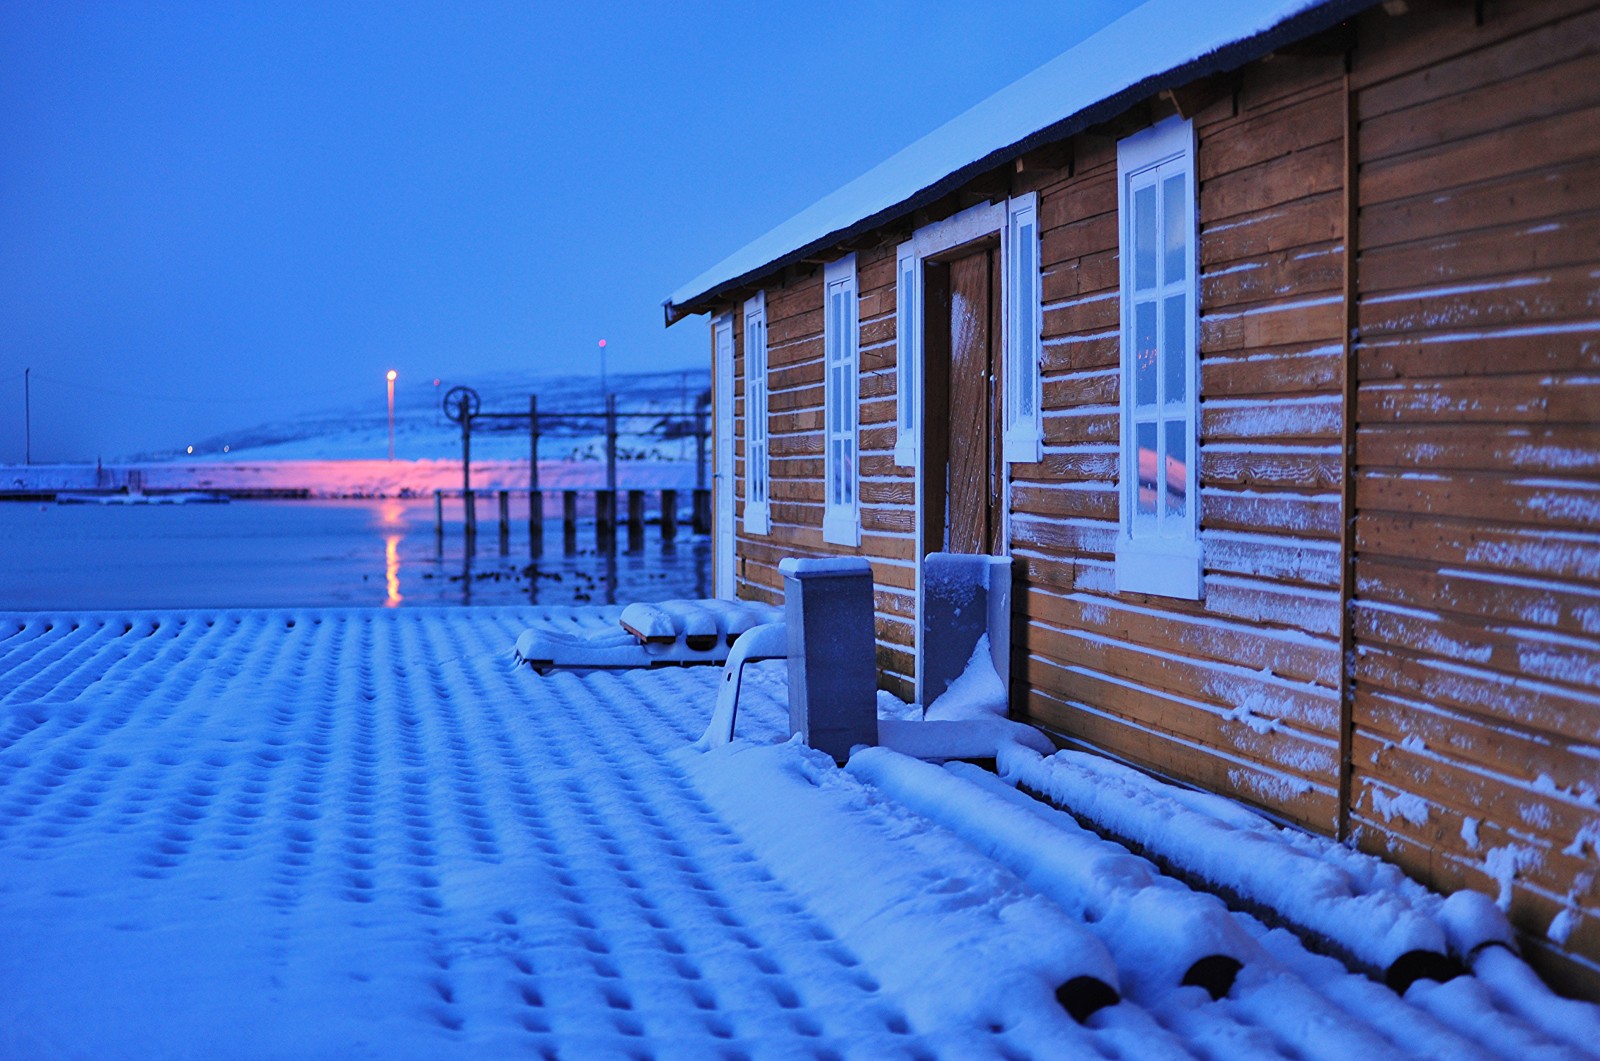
636 518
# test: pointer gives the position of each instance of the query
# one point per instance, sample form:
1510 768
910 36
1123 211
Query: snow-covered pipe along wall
1162 934
960 954
1364 913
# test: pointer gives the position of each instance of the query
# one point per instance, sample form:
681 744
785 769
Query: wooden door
962 470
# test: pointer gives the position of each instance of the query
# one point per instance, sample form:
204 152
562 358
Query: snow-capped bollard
833 675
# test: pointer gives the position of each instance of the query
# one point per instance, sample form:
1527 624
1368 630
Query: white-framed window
841 514
757 484
1158 541
1024 431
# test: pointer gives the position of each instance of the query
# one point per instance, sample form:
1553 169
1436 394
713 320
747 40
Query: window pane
1144 353
1144 237
1177 467
847 473
1145 474
835 471
1175 218
1027 334
1174 349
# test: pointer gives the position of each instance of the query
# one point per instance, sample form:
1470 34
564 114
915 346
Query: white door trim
722 484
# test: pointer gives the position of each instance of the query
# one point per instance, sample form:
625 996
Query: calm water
255 554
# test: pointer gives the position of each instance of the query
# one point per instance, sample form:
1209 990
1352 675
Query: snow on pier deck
366 833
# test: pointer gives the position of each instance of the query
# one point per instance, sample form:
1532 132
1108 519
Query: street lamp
603 391
390 378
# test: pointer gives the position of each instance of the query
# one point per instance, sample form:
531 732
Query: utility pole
27 416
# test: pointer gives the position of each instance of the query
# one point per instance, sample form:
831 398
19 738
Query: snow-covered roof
1161 43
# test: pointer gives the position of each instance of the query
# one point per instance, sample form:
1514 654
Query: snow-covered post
833 672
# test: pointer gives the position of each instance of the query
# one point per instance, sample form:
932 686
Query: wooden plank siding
1238 691
795 415
1477 557
1408 654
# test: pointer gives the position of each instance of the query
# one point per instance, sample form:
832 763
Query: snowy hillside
423 432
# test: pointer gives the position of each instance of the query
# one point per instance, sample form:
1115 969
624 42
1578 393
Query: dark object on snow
1084 996
1215 973
1416 965
965 597
833 670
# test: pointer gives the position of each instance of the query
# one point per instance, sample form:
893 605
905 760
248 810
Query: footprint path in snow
272 833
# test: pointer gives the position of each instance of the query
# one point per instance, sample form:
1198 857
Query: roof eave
1229 57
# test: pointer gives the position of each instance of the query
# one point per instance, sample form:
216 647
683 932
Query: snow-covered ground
367 833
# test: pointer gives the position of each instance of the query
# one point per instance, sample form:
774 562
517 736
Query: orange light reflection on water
391 569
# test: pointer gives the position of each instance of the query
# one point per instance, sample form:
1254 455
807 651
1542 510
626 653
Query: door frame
722 481
975 224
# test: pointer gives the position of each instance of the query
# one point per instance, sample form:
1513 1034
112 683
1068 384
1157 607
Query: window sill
1161 568
841 528
758 518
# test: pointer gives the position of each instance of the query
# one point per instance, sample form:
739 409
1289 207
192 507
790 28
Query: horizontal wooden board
1551 449
1285 179
1570 503
1259 466
1303 222
1229 687
1268 743
1484 254
1152 748
1488 107
1554 295
1518 753
1093 387
1538 194
1523 551
1261 135
1525 398
1491 55
1277 323
1287 558
1162 626
1093 501
1481 595
1313 417
1487 695
1487 352
1271 511
1514 651
1302 368
1302 271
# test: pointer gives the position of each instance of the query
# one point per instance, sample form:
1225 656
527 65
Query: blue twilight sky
214 215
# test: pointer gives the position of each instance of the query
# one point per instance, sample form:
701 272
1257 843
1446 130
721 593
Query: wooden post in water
469 507
569 520
702 510
635 520
438 514
669 515
605 520
535 495
505 522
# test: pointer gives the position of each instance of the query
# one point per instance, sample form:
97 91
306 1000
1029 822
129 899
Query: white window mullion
757 467
1158 543
841 516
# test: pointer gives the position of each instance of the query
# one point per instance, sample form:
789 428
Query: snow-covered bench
671 633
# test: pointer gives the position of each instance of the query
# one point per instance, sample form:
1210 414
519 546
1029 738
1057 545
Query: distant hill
421 430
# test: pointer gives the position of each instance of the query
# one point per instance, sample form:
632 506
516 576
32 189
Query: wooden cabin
1265 338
